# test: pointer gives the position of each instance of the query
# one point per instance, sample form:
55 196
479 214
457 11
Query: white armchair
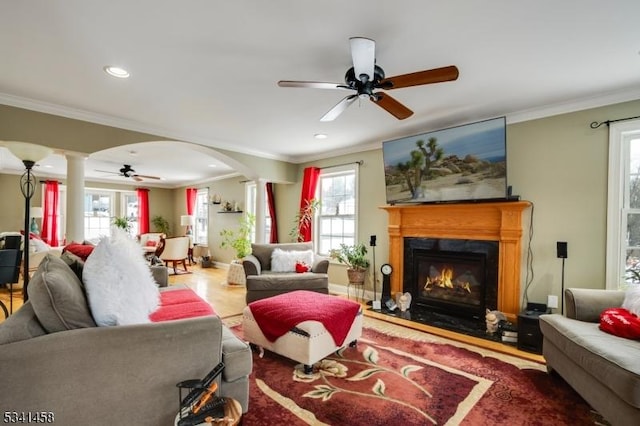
176 250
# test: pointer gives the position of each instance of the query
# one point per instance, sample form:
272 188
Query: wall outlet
552 302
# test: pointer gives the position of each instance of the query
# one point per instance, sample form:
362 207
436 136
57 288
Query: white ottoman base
305 349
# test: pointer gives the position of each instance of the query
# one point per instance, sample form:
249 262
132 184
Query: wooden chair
176 250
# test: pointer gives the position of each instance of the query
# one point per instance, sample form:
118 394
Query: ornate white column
260 210
75 196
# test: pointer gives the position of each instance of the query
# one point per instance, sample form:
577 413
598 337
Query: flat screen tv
463 163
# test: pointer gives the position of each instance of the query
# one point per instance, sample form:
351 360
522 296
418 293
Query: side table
232 414
529 334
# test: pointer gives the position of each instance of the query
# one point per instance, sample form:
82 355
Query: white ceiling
206 72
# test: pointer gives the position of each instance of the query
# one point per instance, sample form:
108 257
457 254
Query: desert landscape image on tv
464 163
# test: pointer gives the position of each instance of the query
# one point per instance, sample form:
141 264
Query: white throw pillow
118 281
39 245
632 300
285 261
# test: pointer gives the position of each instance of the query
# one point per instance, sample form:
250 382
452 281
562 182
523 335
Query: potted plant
122 223
160 224
239 239
303 219
355 259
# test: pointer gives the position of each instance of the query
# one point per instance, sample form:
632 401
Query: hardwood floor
210 284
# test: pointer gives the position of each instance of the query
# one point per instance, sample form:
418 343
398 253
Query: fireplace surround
500 222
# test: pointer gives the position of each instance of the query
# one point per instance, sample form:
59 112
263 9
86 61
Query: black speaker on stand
561 251
375 304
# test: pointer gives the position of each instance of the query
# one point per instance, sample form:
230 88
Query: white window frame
112 210
202 214
329 172
134 225
620 135
250 202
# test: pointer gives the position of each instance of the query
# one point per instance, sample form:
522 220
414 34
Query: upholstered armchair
264 279
176 250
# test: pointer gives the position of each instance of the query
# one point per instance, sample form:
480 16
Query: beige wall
230 189
558 163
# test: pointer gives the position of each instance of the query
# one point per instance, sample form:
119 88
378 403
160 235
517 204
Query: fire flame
445 280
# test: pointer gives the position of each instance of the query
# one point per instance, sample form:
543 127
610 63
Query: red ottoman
304 326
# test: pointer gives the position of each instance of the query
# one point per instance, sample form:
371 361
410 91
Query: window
623 214
129 209
98 213
337 219
201 231
250 202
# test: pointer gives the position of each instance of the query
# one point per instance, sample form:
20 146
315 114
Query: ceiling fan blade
436 75
140 177
107 171
339 108
392 106
312 84
363 54
137 178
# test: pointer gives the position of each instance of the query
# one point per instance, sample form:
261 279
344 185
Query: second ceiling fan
365 77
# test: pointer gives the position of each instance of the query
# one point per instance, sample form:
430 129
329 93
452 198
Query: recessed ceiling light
116 71
213 165
320 136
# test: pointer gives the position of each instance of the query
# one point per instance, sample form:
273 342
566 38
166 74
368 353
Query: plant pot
356 276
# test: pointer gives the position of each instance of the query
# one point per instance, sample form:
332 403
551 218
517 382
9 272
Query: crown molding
550 110
126 124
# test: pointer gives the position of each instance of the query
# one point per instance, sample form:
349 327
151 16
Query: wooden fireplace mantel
493 221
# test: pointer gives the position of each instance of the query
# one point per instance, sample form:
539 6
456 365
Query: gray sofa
53 358
263 283
604 369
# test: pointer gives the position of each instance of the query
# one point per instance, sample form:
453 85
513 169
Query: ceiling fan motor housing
365 85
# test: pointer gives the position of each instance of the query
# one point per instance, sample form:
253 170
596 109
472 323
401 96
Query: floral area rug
399 376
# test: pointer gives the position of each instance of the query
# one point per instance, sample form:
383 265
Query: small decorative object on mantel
403 301
493 319
215 199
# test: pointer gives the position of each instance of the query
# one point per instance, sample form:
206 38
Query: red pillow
151 243
81 250
620 322
302 267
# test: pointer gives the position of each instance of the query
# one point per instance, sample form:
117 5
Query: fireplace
499 223
454 277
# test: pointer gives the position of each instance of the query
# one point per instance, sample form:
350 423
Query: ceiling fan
128 172
365 76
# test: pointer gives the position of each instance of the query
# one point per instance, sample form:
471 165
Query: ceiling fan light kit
365 77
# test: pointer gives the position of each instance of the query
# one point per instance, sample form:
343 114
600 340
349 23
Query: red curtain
143 210
309 184
50 213
191 200
271 203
